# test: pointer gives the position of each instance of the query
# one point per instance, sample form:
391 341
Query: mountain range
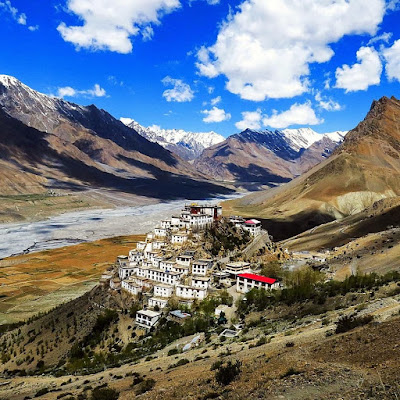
49 143
360 172
267 156
188 145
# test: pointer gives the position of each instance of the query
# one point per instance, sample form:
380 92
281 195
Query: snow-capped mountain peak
303 138
188 145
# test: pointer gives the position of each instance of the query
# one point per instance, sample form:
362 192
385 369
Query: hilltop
364 169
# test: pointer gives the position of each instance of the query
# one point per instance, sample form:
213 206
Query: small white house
159 302
141 245
253 226
166 223
167 265
147 318
201 282
190 292
238 267
160 232
158 244
162 290
126 270
181 269
246 282
184 259
179 238
200 268
131 287
135 256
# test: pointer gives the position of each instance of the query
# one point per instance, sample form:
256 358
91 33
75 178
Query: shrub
289 372
182 361
145 386
351 321
42 392
104 393
136 379
173 351
225 374
215 365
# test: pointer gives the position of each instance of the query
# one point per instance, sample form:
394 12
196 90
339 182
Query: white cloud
392 57
210 89
360 76
33 28
180 91
22 19
266 47
19 18
69 91
298 114
384 37
110 25
327 103
251 120
216 100
216 115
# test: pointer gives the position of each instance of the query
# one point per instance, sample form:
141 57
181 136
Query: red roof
258 278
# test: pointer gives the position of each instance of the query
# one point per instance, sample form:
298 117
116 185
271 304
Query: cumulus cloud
68 91
360 76
111 25
327 103
251 120
180 91
384 37
216 100
266 47
298 114
19 18
216 115
392 58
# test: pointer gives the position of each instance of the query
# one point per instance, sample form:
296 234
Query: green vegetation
226 373
306 285
145 386
348 322
182 361
224 237
104 393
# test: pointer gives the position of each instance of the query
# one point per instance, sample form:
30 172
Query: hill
364 169
267 157
51 144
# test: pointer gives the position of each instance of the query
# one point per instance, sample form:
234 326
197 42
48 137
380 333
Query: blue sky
207 64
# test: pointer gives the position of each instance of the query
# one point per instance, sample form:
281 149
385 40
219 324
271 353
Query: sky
203 65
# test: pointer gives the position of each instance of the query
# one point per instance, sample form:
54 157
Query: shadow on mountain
284 229
106 126
255 174
27 149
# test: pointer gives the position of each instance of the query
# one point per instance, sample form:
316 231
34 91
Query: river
86 226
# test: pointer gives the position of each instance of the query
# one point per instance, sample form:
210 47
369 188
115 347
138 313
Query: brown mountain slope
265 157
48 143
364 169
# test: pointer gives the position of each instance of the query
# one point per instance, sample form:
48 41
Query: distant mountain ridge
81 147
188 145
267 156
364 169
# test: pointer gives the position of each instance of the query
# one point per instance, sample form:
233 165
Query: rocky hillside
49 143
267 156
364 169
187 145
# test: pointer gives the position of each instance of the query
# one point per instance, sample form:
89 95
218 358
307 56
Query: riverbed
86 226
